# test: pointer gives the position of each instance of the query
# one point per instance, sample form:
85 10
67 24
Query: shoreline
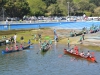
62 34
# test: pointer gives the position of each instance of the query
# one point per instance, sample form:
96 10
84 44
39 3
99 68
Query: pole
3 13
68 9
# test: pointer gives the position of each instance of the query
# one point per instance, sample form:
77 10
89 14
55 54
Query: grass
92 47
28 34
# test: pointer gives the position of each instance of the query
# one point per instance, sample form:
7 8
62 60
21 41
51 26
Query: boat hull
11 51
45 49
91 59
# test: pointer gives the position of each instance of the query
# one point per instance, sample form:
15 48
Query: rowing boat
45 49
77 34
92 59
11 51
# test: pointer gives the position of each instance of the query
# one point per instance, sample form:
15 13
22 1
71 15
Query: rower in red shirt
76 49
7 48
16 47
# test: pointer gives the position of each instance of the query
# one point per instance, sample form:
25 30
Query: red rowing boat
92 59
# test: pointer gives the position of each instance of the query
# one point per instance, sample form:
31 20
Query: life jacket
76 49
7 49
21 46
16 47
11 48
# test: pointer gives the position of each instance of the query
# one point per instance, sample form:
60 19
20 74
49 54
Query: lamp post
68 8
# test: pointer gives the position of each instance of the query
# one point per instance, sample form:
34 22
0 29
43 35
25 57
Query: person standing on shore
81 38
54 32
15 37
68 43
55 38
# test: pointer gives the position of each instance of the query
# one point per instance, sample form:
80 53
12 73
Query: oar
38 51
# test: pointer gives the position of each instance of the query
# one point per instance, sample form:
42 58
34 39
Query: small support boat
91 59
11 51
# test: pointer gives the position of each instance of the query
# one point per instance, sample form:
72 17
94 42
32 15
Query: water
53 62
59 25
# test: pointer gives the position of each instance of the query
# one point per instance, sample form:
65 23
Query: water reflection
43 53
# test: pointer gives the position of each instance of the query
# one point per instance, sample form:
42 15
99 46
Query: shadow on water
43 53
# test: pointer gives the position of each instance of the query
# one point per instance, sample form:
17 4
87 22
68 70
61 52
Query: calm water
53 62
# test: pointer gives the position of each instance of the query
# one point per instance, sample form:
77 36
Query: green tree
84 5
74 8
2 2
97 11
96 2
37 7
48 2
92 7
63 6
17 8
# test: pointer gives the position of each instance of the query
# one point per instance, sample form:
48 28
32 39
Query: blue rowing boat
11 51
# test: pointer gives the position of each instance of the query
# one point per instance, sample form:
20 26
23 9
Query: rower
21 46
50 42
71 50
11 48
76 49
88 54
82 54
29 41
7 48
17 47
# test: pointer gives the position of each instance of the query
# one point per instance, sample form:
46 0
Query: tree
48 2
84 5
17 8
96 2
37 7
63 6
2 2
92 7
74 8
97 11
53 9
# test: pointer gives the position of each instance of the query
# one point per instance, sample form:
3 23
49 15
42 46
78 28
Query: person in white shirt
82 54
15 37
7 41
88 54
